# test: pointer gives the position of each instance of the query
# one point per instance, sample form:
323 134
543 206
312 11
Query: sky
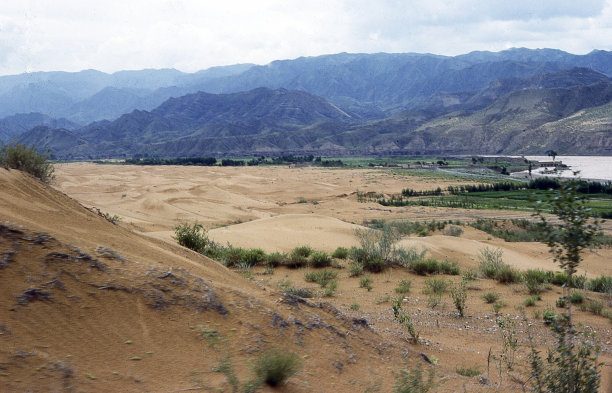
190 35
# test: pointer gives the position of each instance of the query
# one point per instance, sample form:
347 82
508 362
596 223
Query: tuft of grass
354 306
498 305
366 282
531 301
276 259
435 286
576 298
414 381
330 289
593 306
468 371
340 253
453 230
355 269
275 366
320 259
490 297
403 287
321 277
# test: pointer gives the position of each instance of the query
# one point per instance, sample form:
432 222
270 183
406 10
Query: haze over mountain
481 102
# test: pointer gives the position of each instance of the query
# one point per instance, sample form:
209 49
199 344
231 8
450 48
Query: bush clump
191 236
27 159
320 259
321 277
274 366
340 253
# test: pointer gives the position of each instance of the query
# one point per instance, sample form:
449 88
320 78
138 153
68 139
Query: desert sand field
129 322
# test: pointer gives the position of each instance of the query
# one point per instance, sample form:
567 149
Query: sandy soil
86 327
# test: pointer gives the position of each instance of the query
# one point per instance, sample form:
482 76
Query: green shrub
355 269
424 267
303 251
490 262
490 297
276 259
366 282
191 236
576 298
340 253
437 286
594 306
297 259
300 292
330 289
450 268
233 256
30 160
253 257
508 275
468 371
321 277
274 366
414 381
354 306
459 295
406 256
531 301
453 231
498 305
534 280
320 259
560 278
403 287
601 284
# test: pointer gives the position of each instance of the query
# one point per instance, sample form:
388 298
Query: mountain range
510 102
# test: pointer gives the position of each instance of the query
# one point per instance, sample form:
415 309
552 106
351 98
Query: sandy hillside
92 307
146 295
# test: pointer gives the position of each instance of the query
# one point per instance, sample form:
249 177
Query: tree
572 366
552 153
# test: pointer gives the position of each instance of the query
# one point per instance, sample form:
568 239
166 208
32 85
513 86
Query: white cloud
191 34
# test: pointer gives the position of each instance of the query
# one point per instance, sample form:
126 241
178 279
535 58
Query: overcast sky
111 35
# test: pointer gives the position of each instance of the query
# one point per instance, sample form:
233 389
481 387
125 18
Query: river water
590 167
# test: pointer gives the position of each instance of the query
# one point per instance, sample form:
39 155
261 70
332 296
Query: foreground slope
90 306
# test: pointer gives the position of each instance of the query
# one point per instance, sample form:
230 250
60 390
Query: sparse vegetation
366 282
414 381
275 366
490 297
27 159
468 371
403 288
340 253
403 318
320 259
191 236
321 277
459 295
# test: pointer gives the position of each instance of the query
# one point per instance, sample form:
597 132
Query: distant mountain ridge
480 102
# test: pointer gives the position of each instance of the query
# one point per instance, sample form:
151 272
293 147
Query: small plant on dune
253 257
354 306
531 301
403 288
366 282
453 231
30 160
468 371
414 381
276 259
297 258
355 269
491 262
377 247
490 297
321 277
459 295
330 289
340 253
320 259
403 318
275 366
114 219
498 305
191 236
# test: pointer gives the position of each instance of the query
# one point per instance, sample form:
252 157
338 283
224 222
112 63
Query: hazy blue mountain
12 126
368 85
